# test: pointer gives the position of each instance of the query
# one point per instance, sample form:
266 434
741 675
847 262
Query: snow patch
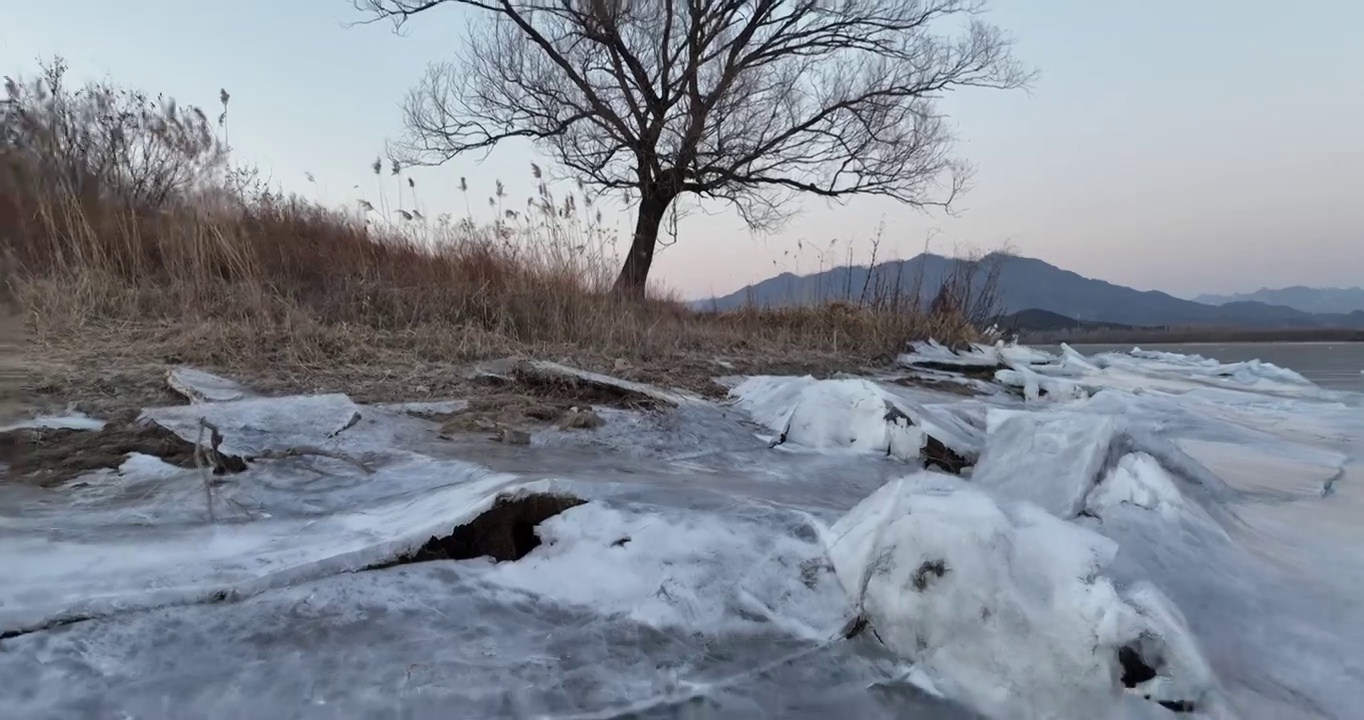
1138 479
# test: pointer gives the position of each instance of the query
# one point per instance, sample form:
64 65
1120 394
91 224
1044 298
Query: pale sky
1182 145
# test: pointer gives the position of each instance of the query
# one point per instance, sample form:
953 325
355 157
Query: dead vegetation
497 413
219 272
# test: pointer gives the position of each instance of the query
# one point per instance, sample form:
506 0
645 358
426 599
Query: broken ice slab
199 386
1052 459
255 425
513 371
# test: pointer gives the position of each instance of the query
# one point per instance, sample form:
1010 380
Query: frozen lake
1003 533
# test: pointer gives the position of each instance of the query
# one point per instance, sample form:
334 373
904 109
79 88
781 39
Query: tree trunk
634 275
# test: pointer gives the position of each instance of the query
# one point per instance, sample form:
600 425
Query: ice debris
848 414
1052 459
1139 480
1003 606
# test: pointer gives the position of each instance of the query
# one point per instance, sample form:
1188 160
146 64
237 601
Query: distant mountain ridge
1298 297
1028 284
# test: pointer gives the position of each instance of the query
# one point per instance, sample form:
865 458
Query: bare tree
746 101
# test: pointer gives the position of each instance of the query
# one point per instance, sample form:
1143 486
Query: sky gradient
1208 146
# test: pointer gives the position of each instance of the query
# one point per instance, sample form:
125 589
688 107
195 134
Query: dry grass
289 295
292 296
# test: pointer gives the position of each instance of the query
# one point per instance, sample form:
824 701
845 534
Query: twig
199 462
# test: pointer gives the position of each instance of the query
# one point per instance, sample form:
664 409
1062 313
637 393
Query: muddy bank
48 457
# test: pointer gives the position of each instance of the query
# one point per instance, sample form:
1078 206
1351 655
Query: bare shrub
107 142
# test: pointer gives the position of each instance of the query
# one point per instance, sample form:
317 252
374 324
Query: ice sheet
64 576
1205 514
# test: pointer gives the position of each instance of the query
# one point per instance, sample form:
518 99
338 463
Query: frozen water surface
1133 535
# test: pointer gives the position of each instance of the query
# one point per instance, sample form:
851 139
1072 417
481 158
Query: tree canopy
751 102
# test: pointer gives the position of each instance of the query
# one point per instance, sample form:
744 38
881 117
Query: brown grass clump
289 294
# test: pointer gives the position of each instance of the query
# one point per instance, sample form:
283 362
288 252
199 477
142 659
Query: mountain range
1030 284
1306 299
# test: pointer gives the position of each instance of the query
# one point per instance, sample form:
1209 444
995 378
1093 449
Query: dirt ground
108 376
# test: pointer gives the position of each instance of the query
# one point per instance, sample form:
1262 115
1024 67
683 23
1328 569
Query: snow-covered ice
1002 606
1133 534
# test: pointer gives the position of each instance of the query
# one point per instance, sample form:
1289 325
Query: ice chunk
1034 385
1138 479
768 399
1020 378
935 353
254 425
1073 359
200 387
1052 459
847 414
697 571
1015 354
851 414
1002 608
1251 373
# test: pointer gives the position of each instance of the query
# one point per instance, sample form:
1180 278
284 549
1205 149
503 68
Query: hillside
1298 297
1026 284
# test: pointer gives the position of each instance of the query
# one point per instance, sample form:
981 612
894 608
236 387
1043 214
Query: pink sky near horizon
1187 148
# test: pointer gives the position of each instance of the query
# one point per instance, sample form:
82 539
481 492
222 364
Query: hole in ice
927 571
895 415
1137 670
855 627
936 453
505 532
